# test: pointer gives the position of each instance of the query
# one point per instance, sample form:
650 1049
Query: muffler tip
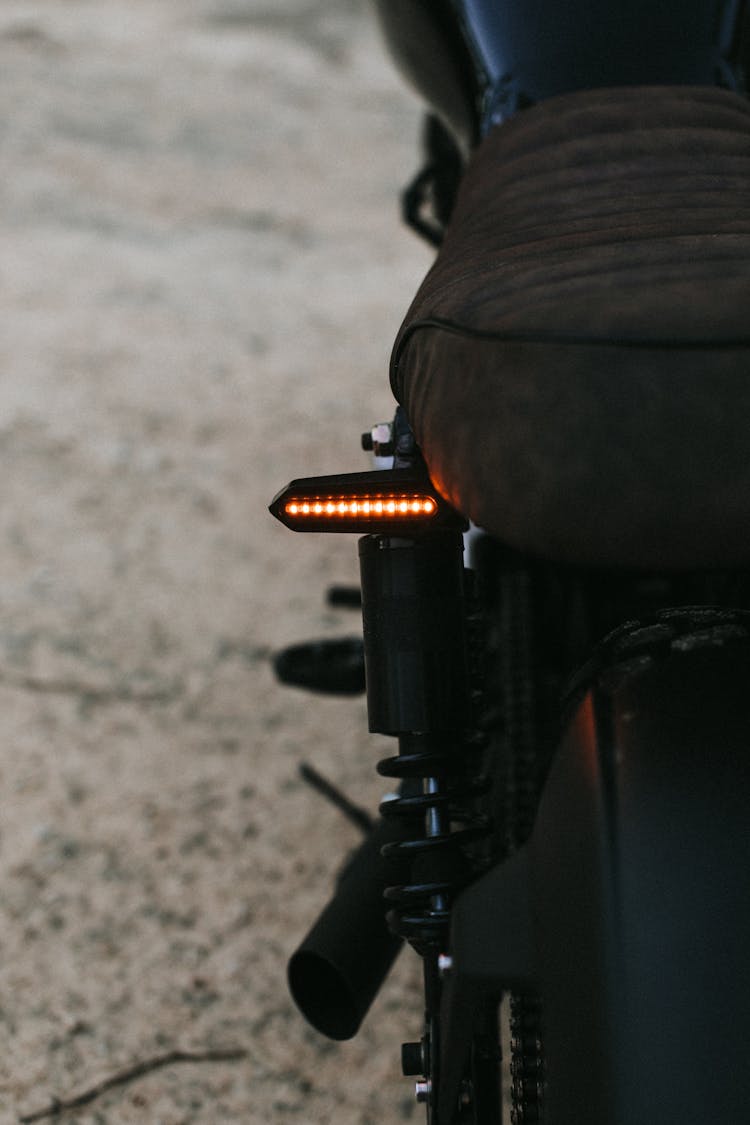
324 997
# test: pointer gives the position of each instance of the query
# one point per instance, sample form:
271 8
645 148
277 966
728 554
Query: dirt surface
202 272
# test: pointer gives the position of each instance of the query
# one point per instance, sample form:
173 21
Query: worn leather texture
576 364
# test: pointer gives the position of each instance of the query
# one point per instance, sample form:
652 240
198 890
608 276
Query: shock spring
439 788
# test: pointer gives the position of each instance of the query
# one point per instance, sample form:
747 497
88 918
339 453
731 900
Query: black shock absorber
438 862
418 685
414 616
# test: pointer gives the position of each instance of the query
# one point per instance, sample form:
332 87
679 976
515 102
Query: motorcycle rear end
570 826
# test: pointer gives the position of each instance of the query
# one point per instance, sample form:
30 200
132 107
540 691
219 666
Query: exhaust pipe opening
322 994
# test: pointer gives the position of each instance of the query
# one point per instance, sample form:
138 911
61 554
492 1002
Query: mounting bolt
379 440
423 1090
444 964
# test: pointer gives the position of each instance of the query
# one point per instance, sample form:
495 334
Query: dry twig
122 1077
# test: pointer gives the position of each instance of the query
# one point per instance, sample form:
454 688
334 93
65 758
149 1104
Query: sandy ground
202 273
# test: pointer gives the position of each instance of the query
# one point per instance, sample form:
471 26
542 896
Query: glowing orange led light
364 508
380 503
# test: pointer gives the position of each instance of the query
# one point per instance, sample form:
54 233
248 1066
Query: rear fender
640 904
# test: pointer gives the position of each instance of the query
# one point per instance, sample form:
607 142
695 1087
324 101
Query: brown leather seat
576 364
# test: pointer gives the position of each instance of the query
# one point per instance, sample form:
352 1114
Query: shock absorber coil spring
438 792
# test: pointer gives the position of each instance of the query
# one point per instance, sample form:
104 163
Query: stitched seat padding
576 364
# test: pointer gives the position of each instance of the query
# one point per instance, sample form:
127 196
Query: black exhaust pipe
338 969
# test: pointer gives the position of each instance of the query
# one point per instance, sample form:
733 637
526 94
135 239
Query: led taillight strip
385 501
394 506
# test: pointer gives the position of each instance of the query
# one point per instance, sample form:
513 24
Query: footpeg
330 667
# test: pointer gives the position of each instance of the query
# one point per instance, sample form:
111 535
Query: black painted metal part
338 969
629 908
478 61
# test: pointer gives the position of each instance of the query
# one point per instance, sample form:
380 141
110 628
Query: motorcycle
568 848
